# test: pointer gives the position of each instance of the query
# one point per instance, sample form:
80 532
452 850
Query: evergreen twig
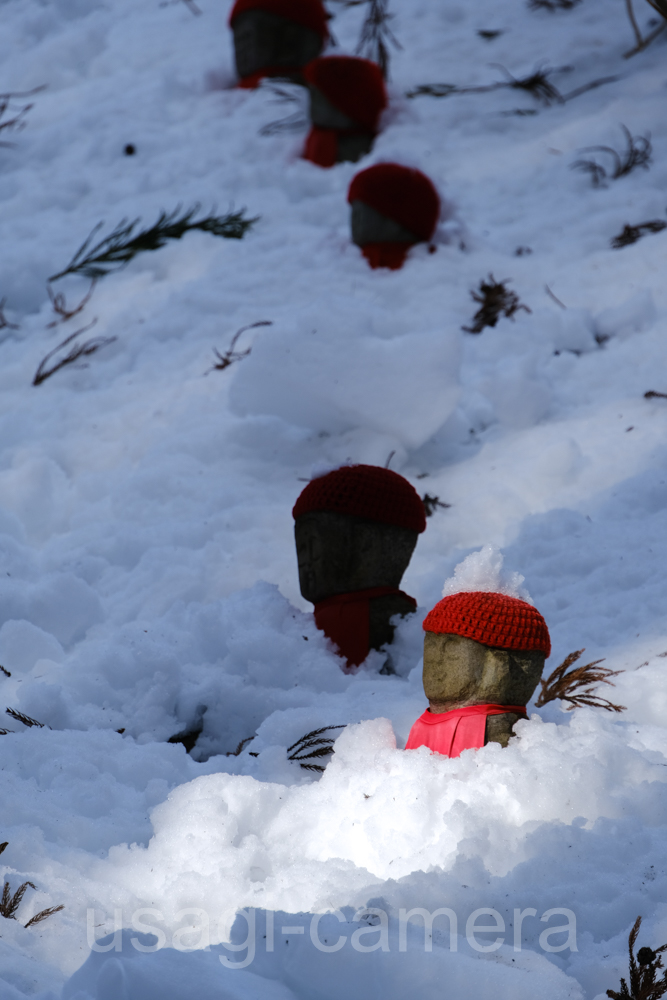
25 719
239 749
43 914
317 746
9 904
563 685
116 250
536 83
642 972
76 351
18 121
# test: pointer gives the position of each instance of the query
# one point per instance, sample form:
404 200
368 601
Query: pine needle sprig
242 744
116 250
376 35
563 685
25 719
9 904
642 972
43 914
317 746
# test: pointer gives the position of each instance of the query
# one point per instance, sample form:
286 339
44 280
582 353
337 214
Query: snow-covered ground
148 564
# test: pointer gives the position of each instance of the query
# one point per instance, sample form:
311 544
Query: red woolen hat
365 491
401 193
354 86
309 13
492 619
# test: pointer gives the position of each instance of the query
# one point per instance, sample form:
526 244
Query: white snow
148 575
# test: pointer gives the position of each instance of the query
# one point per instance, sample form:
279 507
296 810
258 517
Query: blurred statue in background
276 37
393 207
347 97
484 654
355 530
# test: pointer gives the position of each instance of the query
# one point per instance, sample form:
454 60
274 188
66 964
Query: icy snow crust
148 565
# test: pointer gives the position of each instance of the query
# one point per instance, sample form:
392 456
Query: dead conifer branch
231 355
59 305
563 685
4 322
43 914
643 970
495 300
116 250
75 353
25 719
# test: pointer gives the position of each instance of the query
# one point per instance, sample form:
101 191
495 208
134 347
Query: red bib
449 733
345 619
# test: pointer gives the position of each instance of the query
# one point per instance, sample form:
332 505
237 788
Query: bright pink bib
449 733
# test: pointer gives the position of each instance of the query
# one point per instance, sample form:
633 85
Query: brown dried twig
77 351
495 300
59 304
642 972
562 685
230 355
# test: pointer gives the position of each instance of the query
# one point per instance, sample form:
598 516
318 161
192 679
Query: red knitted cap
492 619
354 86
401 193
365 491
309 13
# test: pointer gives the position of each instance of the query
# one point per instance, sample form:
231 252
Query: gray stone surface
262 39
338 554
459 672
370 226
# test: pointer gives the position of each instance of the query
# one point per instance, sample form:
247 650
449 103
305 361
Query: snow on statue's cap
365 491
481 603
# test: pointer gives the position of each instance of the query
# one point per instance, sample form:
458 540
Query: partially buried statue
347 97
484 654
356 529
276 38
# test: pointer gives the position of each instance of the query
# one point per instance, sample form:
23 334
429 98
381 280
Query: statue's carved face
338 554
263 39
459 671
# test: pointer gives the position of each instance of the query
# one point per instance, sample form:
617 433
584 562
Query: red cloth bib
391 255
449 733
345 619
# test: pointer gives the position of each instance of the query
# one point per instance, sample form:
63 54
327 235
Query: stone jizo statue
347 97
484 654
355 531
